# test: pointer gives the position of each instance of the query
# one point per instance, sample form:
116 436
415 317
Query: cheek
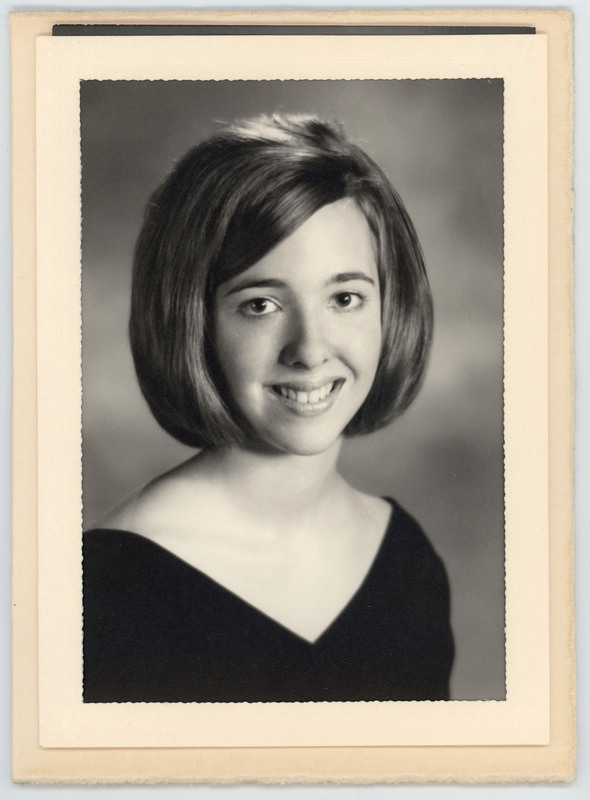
242 354
365 344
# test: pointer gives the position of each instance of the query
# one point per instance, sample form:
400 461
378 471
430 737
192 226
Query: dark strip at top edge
286 30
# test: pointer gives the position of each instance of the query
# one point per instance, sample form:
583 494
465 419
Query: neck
276 487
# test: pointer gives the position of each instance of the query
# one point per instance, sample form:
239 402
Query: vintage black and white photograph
292 375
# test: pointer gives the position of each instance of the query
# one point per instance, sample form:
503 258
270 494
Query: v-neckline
235 598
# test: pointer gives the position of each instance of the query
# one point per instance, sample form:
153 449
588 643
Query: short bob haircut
228 202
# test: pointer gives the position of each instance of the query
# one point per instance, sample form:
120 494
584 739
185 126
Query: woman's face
298 334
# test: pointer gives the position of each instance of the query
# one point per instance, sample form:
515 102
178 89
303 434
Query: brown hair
228 202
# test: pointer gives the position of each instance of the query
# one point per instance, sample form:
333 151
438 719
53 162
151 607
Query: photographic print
440 144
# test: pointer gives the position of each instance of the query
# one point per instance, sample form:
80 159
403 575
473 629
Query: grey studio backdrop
440 143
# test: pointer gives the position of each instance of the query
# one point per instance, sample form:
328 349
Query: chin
310 449
303 444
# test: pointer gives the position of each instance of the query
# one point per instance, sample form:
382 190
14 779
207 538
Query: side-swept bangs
228 202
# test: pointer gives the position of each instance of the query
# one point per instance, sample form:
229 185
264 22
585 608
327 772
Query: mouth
305 398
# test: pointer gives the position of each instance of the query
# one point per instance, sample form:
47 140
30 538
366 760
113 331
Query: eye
348 300
258 307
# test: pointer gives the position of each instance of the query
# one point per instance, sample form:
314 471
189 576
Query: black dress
159 630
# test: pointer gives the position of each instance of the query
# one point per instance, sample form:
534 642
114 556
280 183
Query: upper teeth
307 397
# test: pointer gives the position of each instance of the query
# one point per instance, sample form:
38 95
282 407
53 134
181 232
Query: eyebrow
274 283
344 277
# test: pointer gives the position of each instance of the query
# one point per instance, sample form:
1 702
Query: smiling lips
317 397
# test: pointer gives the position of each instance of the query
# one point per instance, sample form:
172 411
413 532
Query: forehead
336 238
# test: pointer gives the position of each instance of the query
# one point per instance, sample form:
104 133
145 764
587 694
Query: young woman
280 303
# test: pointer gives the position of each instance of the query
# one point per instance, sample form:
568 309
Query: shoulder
115 558
415 553
370 513
161 505
409 608
406 529
122 570
142 510
108 544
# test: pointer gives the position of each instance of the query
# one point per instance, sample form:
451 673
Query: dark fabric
158 630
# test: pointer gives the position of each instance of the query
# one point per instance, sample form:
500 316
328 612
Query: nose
307 345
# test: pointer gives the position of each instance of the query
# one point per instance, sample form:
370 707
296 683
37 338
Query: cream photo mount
523 718
526 717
